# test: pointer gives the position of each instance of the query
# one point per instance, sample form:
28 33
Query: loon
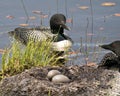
111 60
60 41
114 47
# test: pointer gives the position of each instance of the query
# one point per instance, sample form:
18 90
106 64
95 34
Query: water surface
104 27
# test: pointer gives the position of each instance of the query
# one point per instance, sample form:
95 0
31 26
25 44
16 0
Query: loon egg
52 73
60 79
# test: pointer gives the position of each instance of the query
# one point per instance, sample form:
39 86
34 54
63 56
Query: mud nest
84 81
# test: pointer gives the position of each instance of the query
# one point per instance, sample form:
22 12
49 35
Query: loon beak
105 46
65 27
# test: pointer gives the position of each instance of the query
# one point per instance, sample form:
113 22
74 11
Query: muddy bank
84 81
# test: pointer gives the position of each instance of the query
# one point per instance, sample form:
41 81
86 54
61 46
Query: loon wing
35 34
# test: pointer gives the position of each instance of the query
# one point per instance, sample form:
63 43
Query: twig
86 47
91 8
57 6
66 7
26 13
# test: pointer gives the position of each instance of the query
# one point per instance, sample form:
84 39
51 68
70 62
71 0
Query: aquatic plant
18 58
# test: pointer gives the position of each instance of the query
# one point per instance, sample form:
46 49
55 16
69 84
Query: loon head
57 23
114 46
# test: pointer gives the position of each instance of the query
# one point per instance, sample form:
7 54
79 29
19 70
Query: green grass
18 58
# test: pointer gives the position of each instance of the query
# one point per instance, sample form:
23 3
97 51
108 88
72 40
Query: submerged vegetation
18 58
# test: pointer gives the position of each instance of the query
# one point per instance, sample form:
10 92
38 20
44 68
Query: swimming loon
111 60
60 41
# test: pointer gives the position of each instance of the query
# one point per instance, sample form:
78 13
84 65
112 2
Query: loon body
60 41
111 60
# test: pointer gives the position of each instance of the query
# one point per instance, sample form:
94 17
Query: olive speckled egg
52 73
60 79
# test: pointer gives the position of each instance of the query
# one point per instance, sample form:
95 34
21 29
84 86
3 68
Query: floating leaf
90 34
10 17
37 12
24 25
69 20
43 16
83 7
108 4
117 14
32 18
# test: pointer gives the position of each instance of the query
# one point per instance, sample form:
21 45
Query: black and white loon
60 41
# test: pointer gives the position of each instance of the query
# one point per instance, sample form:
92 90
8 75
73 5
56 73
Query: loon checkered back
109 61
56 29
25 35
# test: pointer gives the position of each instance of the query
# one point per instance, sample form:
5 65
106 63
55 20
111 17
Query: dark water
105 26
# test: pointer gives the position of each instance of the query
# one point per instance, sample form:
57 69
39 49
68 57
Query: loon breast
63 45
